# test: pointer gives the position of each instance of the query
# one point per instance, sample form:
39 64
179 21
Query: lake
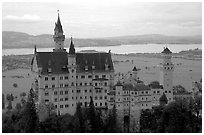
121 49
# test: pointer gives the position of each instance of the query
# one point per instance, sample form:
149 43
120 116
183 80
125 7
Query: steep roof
166 51
58 25
58 61
98 60
136 87
141 87
119 83
71 48
135 69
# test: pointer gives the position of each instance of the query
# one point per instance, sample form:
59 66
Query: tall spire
71 48
58 25
35 49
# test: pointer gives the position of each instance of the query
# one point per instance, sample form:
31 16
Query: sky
92 19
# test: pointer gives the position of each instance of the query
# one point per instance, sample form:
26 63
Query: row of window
127 99
89 76
85 104
80 84
156 92
132 105
168 68
82 77
100 98
66 99
61 78
167 91
78 91
135 93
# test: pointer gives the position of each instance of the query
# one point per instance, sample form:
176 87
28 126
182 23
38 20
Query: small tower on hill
135 72
166 76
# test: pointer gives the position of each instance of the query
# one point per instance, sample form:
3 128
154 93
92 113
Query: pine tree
112 126
3 101
79 119
92 117
9 107
163 100
30 115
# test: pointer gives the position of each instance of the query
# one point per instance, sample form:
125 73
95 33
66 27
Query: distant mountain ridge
12 39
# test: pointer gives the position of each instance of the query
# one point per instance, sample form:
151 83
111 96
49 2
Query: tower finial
71 48
35 49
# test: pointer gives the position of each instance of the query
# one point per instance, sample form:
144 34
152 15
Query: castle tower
72 71
58 36
166 78
119 103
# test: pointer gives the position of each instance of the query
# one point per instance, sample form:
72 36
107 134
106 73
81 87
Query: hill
12 39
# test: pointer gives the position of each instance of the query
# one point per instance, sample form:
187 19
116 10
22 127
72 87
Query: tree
146 120
197 105
177 118
8 97
9 107
92 117
50 125
3 101
11 97
79 119
18 106
50 108
179 89
30 115
112 125
23 102
163 100
23 94
15 85
154 84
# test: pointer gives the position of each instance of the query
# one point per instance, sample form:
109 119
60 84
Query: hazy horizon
90 19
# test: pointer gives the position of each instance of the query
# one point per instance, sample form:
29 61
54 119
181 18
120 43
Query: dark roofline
166 51
100 79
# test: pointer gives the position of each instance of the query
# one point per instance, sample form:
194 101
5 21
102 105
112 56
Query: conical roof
135 69
166 51
71 48
58 25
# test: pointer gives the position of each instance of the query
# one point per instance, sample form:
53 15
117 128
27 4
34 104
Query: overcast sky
104 19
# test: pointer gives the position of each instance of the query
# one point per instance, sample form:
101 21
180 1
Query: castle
67 78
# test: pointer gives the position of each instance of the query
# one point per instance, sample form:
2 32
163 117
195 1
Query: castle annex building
67 78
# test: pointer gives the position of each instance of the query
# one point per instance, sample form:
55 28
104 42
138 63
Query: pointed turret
58 25
71 48
166 50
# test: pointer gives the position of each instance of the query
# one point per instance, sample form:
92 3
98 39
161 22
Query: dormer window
86 68
49 62
49 70
106 66
40 69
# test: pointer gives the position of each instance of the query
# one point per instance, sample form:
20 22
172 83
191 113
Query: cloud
24 18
